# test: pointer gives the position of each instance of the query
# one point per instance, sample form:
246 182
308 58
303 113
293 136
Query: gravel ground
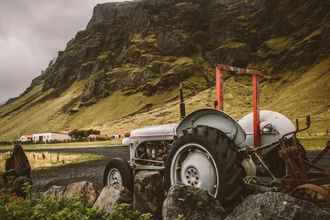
90 170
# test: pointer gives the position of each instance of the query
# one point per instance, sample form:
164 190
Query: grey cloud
31 33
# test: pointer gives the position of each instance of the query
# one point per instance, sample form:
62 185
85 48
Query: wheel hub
192 176
114 178
193 165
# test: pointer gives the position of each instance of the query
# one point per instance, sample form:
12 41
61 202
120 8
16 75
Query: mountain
124 69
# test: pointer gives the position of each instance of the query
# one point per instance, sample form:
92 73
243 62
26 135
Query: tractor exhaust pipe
182 104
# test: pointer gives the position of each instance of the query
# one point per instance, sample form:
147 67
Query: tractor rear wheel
206 158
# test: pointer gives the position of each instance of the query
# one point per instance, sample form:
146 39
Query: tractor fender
215 119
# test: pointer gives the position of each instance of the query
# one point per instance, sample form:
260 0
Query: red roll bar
256 76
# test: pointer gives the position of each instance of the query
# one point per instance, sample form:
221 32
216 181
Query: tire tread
227 159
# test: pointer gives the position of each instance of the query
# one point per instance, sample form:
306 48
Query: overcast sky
31 33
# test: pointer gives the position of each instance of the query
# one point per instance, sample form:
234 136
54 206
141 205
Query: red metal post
256 115
219 89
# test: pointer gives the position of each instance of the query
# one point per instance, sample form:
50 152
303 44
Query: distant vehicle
208 149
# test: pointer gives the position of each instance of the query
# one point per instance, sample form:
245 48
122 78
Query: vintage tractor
210 150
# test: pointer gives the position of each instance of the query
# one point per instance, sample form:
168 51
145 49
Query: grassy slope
295 95
43 116
298 95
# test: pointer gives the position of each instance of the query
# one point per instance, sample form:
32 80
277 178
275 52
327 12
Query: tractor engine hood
158 132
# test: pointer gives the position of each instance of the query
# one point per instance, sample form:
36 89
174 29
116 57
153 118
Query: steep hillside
123 70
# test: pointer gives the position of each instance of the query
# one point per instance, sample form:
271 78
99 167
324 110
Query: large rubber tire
125 171
227 158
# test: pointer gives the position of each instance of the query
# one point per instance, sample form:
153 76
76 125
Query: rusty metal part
305 179
321 154
265 166
312 192
295 160
263 147
316 167
241 71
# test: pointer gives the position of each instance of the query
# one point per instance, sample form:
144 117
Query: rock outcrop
131 45
191 203
84 190
111 196
277 206
149 192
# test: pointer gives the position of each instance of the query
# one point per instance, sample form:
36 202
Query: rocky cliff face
150 46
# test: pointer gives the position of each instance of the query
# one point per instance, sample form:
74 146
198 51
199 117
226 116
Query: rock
111 196
55 192
85 190
233 53
174 43
191 203
85 70
148 192
272 205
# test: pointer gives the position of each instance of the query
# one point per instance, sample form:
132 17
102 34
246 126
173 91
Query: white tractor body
273 126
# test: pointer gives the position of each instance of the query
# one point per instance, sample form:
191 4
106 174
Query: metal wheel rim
178 160
115 178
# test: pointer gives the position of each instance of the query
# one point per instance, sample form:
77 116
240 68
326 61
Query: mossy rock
191 203
278 44
183 65
233 45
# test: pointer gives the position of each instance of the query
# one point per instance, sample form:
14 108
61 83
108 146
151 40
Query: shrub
46 208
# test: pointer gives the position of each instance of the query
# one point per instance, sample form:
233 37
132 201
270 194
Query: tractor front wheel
118 174
206 158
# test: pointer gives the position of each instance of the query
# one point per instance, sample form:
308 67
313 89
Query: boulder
85 190
273 205
148 192
191 203
111 196
55 192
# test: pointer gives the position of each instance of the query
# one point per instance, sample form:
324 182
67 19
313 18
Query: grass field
314 143
47 159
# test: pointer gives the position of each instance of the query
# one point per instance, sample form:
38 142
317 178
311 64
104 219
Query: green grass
279 43
233 45
40 160
301 94
45 116
314 143
49 208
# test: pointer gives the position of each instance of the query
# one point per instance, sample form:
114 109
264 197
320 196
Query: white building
25 138
50 136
